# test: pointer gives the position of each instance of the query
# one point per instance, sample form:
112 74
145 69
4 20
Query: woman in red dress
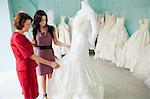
25 57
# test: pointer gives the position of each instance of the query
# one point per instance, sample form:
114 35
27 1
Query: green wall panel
141 3
110 4
51 4
98 5
28 6
60 7
132 10
122 4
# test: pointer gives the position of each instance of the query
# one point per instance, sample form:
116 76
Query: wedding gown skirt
100 49
115 41
64 35
142 69
134 46
57 48
77 77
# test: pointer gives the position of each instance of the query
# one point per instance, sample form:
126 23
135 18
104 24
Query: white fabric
70 26
142 69
64 35
115 40
77 77
134 46
100 50
50 15
100 22
93 31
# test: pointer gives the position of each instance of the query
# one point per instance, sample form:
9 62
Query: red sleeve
24 46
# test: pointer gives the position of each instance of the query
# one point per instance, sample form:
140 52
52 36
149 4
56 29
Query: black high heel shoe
45 96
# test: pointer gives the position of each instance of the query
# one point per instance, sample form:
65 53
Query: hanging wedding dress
100 51
93 29
29 34
142 69
50 15
64 35
100 22
77 77
70 26
115 40
134 46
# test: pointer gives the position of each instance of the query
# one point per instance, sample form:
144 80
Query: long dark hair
36 25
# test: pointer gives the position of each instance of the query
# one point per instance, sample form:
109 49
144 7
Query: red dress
22 49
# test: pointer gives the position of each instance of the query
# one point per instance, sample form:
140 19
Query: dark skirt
47 54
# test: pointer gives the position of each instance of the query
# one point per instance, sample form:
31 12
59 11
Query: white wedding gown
70 26
115 40
77 77
64 35
142 69
134 46
100 49
57 50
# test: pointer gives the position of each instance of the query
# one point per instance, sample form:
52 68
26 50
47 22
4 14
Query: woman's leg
44 85
49 76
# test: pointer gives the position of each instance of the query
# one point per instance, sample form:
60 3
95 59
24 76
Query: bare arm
44 61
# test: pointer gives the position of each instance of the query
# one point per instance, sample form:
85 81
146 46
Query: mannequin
77 77
51 21
64 35
85 7
70 26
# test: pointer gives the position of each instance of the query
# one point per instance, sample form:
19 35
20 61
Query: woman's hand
68 46
44 61
54 65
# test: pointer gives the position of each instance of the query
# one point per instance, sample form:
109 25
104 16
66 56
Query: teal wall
60 7
132 10
28 6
